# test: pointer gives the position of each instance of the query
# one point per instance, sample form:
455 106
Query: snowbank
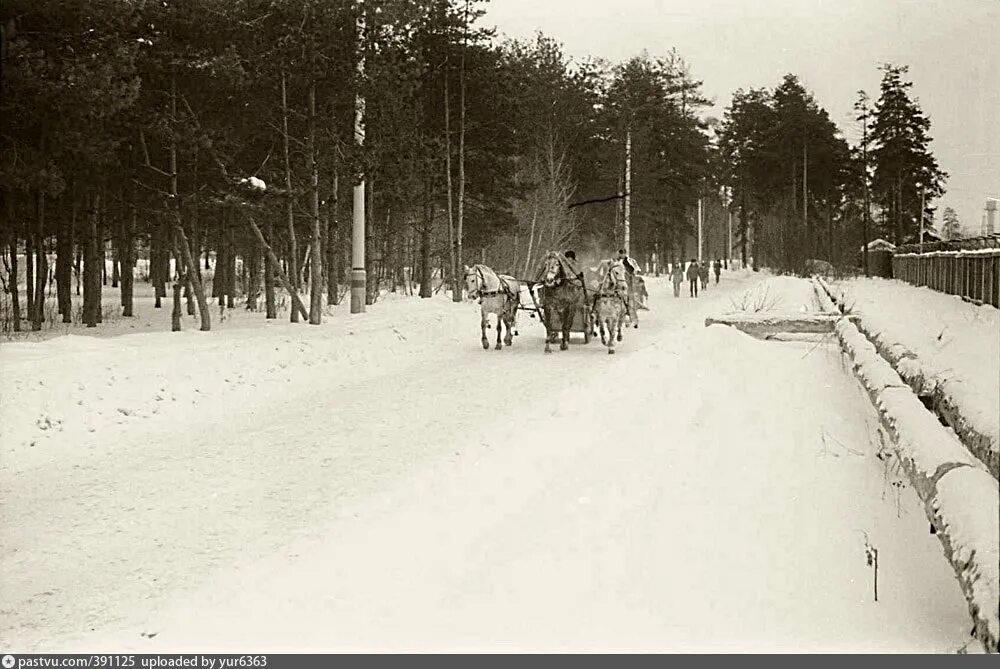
944 348
960 497
74 387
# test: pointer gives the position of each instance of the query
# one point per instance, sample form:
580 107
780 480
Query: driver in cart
632 269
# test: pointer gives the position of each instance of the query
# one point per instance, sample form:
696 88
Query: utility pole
862 106
358 278
805 185
628 190
922 193
700 232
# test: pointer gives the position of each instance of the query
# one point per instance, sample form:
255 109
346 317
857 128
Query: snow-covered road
698 491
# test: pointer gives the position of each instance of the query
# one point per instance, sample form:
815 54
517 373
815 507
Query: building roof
881 245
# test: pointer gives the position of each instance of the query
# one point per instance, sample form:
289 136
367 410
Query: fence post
977 278
968 279
995 279
963 266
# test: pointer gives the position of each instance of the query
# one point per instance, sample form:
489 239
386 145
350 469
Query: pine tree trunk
115 259
91 272
293 250
221 264
185 247
270 304
426 269
128 259
230 288
79 269
244 269
372 287
189 289
184 272
41 263
64 264
175 316
251 259
104 263
196 232
333 240
900 234
282 277
457 289
316 243
531 235
101 277
29 271
15 298
829 223
156 264
447 167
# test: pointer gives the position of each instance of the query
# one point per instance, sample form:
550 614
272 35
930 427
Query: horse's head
617 278
472 281
553 271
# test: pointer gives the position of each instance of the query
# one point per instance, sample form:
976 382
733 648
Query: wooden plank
764 326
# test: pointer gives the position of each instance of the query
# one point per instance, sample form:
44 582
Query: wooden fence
970 274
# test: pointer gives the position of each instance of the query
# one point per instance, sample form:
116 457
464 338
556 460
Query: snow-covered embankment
960 497
946 350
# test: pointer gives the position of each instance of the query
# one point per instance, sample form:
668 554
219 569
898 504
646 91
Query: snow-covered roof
881 245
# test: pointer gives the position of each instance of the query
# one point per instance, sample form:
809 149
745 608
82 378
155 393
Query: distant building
990 218
879 257
881 245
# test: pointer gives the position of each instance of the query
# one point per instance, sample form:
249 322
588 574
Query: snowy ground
956 343
382 483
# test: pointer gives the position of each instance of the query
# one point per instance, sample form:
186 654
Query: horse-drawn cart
582 317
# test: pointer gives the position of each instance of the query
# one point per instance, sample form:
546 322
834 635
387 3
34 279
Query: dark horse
564 294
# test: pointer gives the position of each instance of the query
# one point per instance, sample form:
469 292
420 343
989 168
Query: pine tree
905 172
951 227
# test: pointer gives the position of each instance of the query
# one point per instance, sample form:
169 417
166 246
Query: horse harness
504 288
602 292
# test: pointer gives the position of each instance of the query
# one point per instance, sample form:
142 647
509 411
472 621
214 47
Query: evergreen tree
905 171
951 227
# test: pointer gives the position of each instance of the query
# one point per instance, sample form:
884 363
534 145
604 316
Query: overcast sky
835 46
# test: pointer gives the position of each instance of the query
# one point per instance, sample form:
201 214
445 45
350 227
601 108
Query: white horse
610 304
498 294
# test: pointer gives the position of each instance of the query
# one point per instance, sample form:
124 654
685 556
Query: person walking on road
718 269
693 277
677 277
703 274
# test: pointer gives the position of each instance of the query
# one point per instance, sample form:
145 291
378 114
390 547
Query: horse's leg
548 332
567 325
635 311
621 321
484 322
510 315
611 340
499 345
